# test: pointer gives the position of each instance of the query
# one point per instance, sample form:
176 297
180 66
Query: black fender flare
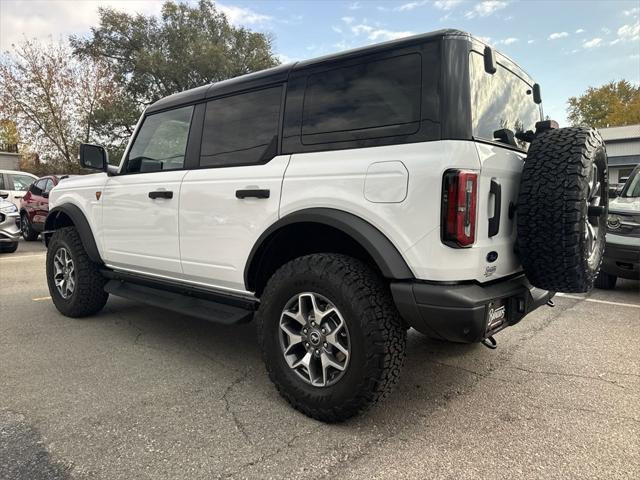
384 253
81 224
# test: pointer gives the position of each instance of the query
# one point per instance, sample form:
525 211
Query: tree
612 104
52 98
152 57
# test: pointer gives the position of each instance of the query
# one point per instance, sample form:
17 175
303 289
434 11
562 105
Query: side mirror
94 157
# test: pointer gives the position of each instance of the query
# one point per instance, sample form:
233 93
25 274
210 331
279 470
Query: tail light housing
459 198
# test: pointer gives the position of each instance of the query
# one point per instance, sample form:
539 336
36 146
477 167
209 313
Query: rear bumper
460 312
622 260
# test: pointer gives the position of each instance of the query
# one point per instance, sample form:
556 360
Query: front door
140 205
234 194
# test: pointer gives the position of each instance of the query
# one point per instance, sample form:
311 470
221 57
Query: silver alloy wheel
314 339
594 199
64 275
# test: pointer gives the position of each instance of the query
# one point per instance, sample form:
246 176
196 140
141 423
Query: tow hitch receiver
490 342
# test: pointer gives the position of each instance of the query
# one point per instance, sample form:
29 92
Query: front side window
241 129
21 182
375 99
500 100
161 142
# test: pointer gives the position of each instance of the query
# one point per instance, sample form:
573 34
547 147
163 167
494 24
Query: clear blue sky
566 46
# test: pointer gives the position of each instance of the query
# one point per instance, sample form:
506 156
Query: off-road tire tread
384 331
551 210
89 297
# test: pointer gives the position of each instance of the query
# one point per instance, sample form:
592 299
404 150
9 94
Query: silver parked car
9 227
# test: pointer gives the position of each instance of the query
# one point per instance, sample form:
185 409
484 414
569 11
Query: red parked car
34 206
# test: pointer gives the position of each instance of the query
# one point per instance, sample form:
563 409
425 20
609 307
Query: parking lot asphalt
138 392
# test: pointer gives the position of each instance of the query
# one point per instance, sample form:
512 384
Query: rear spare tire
562 209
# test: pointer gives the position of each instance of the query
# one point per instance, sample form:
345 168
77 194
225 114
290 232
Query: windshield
632 187
500 100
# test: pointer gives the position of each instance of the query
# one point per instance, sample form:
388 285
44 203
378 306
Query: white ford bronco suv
338 202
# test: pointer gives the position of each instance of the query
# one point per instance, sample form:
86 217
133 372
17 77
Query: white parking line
40 299
594 300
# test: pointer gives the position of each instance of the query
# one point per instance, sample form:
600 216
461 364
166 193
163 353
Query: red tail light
459 193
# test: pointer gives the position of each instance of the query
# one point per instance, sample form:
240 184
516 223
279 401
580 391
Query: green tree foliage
152 57
613 104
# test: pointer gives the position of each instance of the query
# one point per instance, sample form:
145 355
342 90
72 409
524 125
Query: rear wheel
28 233
332 340
75 283
605 281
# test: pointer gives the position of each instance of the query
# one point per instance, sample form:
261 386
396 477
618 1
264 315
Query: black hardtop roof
281 73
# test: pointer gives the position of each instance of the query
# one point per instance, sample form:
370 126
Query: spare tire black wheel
562 209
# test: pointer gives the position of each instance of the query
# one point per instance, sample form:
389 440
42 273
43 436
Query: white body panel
81 191
204 235
338 179
141 233
218 230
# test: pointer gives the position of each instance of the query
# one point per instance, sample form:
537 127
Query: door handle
256 193
4 195
494 222
161 194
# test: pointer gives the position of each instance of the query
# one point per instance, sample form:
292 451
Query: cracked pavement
138 392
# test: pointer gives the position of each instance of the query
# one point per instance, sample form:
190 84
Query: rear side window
161 142
369 100
38 187
49 186
241 129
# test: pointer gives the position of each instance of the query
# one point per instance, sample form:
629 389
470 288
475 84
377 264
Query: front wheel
75 283
332 339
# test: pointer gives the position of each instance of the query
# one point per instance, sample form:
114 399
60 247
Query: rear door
140 205
234 193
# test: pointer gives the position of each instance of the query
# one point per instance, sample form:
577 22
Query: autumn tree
612 104
52 98
152 57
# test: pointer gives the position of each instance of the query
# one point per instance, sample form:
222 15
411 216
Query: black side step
180 302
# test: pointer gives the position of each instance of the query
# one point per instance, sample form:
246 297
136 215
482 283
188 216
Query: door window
241 129
21 182
48 186
161 142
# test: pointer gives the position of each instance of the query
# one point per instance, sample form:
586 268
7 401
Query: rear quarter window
369 100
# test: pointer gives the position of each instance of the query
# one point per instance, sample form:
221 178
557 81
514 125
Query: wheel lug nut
326 345
306 344
313 324
317 352
324 331
304 330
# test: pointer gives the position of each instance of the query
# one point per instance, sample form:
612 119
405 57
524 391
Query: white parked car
14 185
340 201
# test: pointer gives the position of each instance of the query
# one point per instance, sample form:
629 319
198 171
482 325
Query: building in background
9 156
623 149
